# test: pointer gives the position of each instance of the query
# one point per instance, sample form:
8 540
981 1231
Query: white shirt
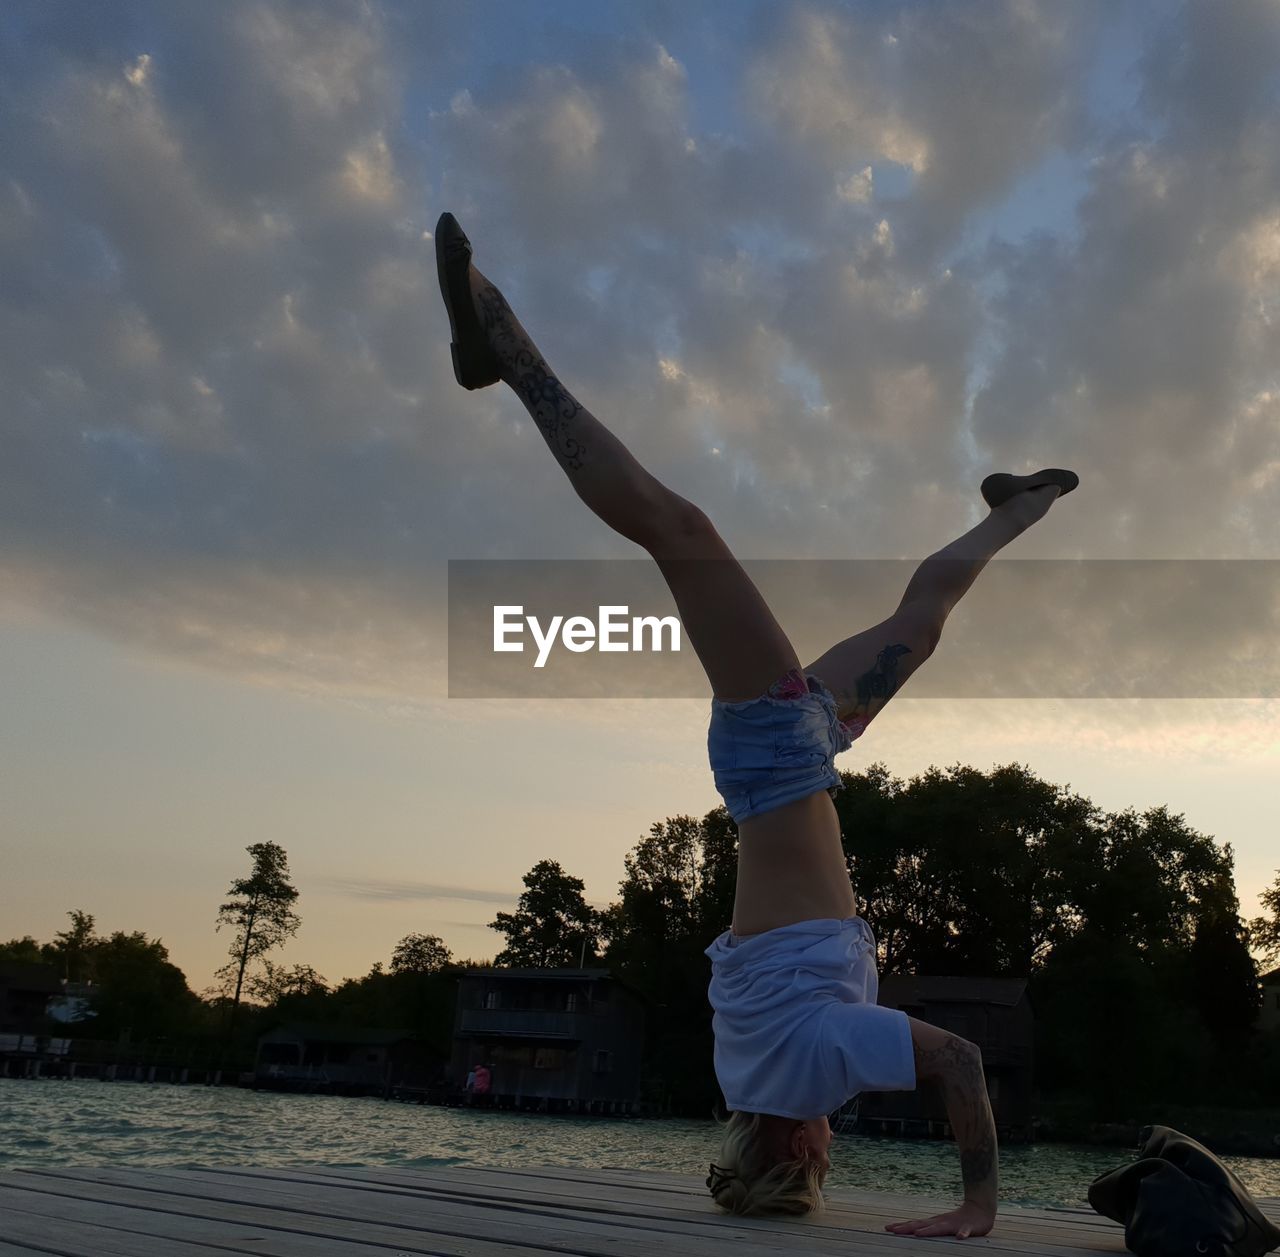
797 1028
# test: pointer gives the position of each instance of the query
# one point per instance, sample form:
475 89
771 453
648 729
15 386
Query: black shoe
474 363
1001 486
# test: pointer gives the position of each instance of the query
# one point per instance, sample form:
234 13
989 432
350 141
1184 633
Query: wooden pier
471 1212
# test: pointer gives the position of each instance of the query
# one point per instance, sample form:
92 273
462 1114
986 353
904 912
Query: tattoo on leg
879 683
552 406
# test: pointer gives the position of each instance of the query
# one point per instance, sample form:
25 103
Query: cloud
965 98
411 892
232 431
417 892
1148 342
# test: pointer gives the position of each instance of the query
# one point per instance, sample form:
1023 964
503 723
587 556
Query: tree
964 872
139 991
420 953
260 910
551 922
73 950
659 912
677 895
24 951
276 983
1125 925
1264 932
1223 976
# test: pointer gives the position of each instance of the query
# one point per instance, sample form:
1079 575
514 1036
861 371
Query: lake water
50 1122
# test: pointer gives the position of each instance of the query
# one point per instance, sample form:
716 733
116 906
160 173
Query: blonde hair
750 1179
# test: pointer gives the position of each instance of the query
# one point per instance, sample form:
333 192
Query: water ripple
90 1123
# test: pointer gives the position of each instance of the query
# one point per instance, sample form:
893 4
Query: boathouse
25 992
994 1013
309 1056
555 1040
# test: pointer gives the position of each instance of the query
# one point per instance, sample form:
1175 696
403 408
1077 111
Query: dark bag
1179 1200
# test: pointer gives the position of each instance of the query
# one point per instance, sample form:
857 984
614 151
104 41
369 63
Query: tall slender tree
260 909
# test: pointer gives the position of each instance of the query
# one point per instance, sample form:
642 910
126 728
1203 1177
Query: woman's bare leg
866 670
740 644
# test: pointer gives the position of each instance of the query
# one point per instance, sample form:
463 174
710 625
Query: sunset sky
822 265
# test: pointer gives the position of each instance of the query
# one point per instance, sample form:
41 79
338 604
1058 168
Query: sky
823 266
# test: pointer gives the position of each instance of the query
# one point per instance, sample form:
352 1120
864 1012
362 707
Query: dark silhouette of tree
1222 974
73 950
260 910
25 951
1264 931
1125 925
134 989
274 983
140 993
676 896
420 953
956 870
551 923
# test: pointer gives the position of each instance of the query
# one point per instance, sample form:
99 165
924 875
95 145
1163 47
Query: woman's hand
969 1219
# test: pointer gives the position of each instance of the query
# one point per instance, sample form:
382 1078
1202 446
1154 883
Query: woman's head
771 1164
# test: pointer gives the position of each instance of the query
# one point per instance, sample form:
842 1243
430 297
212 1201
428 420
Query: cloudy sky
822 265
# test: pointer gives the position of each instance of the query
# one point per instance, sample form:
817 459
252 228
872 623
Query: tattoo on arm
951 1055
957 1067
552 406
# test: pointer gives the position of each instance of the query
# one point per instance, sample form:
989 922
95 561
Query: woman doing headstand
798 1031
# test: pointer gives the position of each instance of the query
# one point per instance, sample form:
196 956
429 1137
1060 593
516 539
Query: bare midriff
791 868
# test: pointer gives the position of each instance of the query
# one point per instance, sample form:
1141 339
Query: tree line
1125 924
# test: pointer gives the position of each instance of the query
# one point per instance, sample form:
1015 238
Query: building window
549 1058
491 999
519 1056
571 1002
604 1061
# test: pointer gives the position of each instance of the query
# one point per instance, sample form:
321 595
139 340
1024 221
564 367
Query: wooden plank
556 1182
20 1250
79 1239
453 1211
557 1232
230 1234
844 1229
443 1220
691 1185
856 1208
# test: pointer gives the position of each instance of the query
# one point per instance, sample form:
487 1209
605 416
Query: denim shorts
769 751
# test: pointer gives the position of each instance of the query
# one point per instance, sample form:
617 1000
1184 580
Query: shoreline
1241 1133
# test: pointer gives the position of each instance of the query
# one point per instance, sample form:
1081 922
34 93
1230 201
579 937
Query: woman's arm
955 1065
